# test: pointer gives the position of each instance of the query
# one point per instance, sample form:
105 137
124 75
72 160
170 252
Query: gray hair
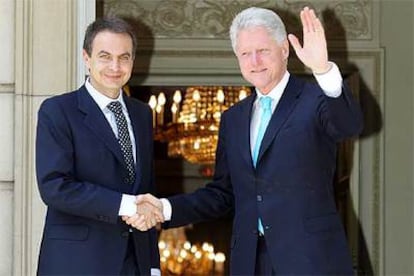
257 17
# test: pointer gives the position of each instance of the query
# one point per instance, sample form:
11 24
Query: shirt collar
277 91
101 100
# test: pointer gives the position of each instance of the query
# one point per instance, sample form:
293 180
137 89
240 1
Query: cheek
244 65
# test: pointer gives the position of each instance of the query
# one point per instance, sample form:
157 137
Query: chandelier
179 257
192 132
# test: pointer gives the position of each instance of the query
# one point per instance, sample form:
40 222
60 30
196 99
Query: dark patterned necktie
124 139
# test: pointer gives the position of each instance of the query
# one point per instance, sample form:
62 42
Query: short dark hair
111 24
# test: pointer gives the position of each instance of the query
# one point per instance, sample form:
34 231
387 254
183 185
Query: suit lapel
138 134
95 120
245 118
284 108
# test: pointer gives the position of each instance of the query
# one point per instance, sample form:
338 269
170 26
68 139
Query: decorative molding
6 185
211 19
24 59
372 176
7 87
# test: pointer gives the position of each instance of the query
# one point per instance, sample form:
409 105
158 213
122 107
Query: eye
105 57
244 54
125 58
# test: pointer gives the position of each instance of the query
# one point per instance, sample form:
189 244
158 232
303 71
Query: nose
255 58
115 64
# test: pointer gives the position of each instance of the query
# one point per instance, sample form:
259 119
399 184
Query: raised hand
314 53
149 213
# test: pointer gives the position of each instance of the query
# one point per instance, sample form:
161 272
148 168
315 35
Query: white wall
397 39
6 133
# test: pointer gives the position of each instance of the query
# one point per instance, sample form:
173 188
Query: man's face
262 60
110 63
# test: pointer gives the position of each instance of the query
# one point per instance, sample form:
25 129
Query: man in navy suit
276 155
93 156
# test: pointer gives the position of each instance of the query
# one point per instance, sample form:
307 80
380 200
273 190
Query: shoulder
305 82
240 106
137 105
60 102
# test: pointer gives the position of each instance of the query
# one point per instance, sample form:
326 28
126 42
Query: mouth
257 71
113 77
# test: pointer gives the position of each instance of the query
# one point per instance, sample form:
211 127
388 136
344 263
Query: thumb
294 42
139 199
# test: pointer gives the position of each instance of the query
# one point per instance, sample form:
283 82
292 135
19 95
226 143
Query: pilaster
45 61
6 133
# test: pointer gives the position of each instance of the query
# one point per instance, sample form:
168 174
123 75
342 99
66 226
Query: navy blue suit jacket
81 173
291 187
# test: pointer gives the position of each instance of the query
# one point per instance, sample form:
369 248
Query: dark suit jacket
291 187
80 173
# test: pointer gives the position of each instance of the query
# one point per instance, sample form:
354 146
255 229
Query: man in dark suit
93 156
276 155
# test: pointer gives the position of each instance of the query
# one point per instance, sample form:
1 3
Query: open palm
314 53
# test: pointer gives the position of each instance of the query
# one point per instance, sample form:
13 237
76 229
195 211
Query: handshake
149 213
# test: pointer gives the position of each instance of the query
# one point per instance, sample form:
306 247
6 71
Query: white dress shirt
128 206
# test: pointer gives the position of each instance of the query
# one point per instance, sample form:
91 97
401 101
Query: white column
46 55
6 134
86 14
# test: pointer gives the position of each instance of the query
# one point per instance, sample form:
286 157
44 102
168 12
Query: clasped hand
149 213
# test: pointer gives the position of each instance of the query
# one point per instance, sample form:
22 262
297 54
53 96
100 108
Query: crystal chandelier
192 132
179 257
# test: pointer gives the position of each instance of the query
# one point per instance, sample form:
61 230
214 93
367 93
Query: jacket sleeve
55 169
340 117
213 201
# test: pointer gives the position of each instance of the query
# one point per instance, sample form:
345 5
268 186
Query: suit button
259 198
125 234
267 227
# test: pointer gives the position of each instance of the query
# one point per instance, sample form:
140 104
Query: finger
304 18
148 223
147 198
140 224
294 42
153 221
132 219
314 21
159 216
139 199
146 209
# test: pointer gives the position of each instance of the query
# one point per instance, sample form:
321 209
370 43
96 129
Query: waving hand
314 53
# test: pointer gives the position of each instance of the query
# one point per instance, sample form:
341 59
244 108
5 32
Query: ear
86 58
285 49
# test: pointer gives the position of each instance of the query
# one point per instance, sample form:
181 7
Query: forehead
254 37
114 43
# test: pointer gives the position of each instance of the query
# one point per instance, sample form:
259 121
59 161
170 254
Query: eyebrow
107 53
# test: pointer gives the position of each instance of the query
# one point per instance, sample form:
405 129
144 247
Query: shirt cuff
128 206
155 272
166 209
331 81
